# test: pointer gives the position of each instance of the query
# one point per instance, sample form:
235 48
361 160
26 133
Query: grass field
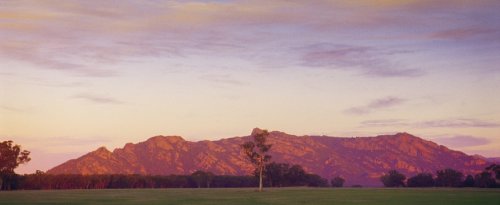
287 196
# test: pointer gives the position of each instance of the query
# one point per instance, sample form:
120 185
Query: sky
77 75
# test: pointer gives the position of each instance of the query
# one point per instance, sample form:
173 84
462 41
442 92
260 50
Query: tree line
285 175
198 179
488 178
41 180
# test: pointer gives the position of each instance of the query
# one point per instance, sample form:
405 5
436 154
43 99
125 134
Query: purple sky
76 75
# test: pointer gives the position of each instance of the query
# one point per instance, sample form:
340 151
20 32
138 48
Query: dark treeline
283 175
488 178
121 181
276 175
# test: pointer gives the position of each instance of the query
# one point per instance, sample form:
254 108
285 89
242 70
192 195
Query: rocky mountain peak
360 160
102 150
256 131
170 139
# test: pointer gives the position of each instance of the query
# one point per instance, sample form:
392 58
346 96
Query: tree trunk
261 167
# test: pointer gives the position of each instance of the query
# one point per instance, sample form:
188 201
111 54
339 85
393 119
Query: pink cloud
462 141
458 123
440 123
462 33
97 99
77 37
368 61
375 105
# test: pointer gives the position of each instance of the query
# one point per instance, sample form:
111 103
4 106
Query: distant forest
275 175
488 178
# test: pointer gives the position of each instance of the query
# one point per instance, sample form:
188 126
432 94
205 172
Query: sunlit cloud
365 60
11 109
442 123
462 141
463 33
385 123
97 98
223 79
77 37
49 59
73 141
59 144
378 104
458 123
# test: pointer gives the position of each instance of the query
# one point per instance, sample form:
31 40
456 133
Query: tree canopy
393 179
421 180
282 175
11 156
256 152
449 178
202 179
338 182
495 169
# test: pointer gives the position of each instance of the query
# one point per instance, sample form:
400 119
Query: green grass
286 196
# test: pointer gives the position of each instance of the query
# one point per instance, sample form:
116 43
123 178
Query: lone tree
393 179
256 151
11 157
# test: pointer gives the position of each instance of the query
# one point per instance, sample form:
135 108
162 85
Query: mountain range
359 160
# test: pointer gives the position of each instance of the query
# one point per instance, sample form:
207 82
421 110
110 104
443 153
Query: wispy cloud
6 74
73 141
459 122
385 123
462 141
53 144
365 60
224 79
442 123
43 82
463 33
97 99
51 59
12 109
78 37
374 105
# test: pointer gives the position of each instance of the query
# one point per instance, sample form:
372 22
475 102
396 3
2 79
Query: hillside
360 160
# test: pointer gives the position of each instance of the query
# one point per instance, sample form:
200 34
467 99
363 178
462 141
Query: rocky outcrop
360 160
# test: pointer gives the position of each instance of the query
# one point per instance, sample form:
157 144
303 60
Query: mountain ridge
360 160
